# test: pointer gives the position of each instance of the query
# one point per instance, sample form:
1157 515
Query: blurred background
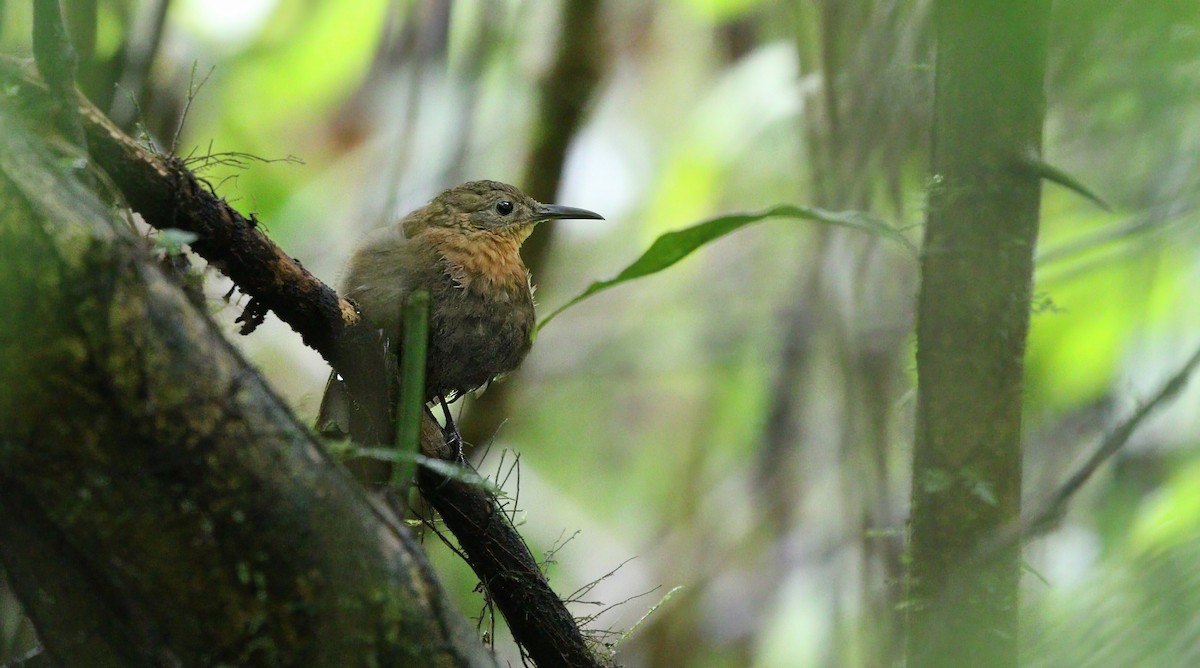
739 425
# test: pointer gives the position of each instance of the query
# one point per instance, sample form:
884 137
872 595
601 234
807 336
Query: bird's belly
473 339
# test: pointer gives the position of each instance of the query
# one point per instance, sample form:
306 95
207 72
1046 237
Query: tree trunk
159 506
973 316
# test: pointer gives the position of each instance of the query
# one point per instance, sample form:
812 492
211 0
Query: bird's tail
340 419
333 419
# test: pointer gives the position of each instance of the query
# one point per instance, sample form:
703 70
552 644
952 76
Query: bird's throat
486 260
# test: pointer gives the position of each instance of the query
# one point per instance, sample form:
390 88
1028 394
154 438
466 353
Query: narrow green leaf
674 246
440 466
415 316
1055 175
654 608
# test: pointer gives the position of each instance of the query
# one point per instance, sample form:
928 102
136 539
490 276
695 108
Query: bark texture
973 315
167 195
159 506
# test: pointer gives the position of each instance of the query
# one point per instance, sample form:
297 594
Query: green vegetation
742 420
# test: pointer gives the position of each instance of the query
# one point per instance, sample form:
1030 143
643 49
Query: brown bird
464 248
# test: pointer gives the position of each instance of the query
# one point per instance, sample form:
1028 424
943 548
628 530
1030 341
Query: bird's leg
451 433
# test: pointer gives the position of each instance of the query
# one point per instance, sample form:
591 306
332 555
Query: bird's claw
450 432
454 440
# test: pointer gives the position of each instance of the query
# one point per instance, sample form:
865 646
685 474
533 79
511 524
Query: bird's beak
552 211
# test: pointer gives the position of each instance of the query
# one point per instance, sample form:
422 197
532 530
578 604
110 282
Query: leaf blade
1048 172
675 245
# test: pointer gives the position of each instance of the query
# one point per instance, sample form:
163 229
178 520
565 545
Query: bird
463 247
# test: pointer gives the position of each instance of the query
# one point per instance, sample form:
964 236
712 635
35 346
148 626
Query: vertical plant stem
972 322
411 403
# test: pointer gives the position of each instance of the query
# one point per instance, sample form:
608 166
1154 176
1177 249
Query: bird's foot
450 432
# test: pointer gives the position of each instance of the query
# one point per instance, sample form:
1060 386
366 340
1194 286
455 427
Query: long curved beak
553 211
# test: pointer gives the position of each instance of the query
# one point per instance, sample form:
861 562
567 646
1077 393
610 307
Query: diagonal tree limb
167 195
504 564
159 504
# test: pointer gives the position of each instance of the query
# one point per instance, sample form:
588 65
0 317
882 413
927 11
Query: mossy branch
168 195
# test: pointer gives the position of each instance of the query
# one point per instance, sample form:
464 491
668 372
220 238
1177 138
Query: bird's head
489 206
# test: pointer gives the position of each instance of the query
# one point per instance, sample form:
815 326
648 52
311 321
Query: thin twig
576 596
1047 515
549 557
596 634
193 90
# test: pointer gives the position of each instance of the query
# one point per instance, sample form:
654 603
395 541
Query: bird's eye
504 207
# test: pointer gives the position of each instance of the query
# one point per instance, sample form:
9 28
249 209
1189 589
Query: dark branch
159 504
168 195
540 622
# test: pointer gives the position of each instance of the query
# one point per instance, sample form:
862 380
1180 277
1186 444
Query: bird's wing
378 278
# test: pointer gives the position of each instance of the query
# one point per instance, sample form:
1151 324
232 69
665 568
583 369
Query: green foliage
442 467
720 9
1137 606
675 246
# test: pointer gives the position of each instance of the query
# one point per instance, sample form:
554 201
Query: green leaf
654 608
444 468
674 246
1055 175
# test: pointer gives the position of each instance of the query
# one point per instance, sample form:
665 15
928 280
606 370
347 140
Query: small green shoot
666 597
411 404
